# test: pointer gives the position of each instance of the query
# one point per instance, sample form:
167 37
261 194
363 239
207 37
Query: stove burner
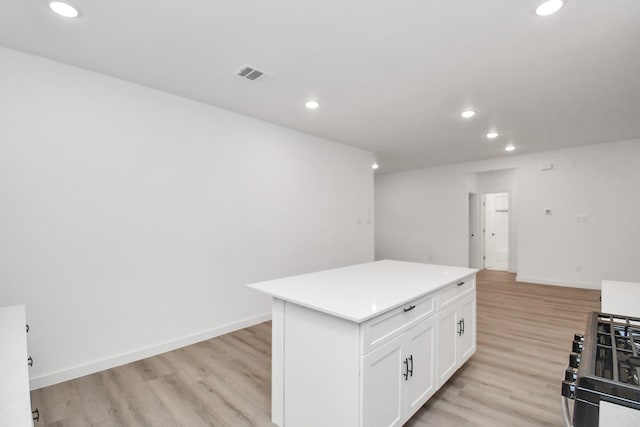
629 369
617 349
604 367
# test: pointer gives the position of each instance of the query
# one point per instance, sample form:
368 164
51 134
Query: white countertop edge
370 316
462 272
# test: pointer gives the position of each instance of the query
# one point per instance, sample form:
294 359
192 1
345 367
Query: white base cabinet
331 371
457 336
399 377
384 394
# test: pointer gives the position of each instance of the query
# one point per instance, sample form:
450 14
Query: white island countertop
361 292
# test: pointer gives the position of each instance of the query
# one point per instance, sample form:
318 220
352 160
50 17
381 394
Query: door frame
475 225
481 228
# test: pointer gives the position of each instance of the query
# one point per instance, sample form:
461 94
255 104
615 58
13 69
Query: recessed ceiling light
64 9
549 7
312 105
509 147
467 114
375 165
492 135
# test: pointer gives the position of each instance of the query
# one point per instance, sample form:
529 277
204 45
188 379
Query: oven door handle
566 412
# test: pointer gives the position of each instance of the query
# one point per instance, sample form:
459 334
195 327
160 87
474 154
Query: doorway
495 213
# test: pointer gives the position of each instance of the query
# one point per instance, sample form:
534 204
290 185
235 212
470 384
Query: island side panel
277 362
15 403
321 369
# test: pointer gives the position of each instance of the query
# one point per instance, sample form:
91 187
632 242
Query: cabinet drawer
452 292
387 326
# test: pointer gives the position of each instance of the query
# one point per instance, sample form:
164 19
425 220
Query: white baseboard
123 359
551 282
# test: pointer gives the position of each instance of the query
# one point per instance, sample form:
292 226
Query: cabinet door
421 383
382 385
467 315
447 343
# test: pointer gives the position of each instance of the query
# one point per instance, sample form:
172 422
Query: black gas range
603 367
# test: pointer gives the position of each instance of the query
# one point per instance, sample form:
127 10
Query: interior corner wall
422 216
590 235
132 219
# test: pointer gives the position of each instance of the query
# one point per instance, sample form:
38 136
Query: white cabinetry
399 377
361 346
383 385
15 403
447 344
467 336
421 383
457 332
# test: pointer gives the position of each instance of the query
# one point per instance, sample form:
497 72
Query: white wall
131 219
423 213
421 216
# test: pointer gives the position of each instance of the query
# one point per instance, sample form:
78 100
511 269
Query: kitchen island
15 399
367 345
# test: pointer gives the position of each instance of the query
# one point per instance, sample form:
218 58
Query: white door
495 226
467 318
421 383
382 385
447 343
501 230
489 203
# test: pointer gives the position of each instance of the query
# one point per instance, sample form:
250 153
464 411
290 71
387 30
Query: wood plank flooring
524 337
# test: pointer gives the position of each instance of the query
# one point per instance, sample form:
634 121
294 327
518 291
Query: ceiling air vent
251 73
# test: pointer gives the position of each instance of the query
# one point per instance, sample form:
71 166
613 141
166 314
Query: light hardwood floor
524 337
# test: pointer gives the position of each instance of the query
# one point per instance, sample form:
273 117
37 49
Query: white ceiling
391 76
